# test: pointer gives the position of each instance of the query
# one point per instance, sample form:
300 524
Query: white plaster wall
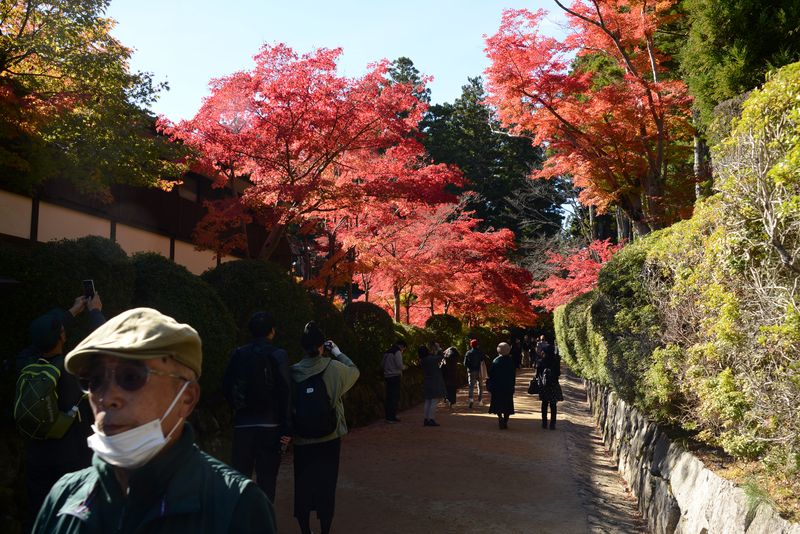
196 261
56 222
15 214
134 240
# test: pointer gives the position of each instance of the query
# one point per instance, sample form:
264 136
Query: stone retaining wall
676 492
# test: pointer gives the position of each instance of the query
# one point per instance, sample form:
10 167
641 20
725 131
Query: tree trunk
396 291
702 168
623 226
273 239
433 312
592 224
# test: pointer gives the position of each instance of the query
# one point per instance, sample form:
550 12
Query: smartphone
88 289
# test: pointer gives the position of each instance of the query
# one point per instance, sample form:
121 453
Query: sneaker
432 422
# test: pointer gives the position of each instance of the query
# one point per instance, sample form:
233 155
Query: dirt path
467 476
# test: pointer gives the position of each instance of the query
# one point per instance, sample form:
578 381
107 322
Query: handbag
534 387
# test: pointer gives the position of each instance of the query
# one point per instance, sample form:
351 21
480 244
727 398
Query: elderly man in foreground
140 371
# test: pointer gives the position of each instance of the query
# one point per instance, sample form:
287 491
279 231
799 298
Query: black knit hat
46 330
312 338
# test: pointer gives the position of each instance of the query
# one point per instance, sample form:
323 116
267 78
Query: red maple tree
573 274
291 140
434 258
621 130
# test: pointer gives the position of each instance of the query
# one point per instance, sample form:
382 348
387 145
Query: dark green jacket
181 490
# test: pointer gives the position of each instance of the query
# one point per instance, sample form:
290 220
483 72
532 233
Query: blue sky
188 42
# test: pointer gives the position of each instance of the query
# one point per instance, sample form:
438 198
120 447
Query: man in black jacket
47 460
256 384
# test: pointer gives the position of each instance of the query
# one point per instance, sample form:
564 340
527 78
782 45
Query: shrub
247 286
332 322
487 339
173 290
50 275
374 329
415 337
447 329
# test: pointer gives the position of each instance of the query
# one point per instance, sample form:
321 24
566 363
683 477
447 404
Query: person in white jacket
392 372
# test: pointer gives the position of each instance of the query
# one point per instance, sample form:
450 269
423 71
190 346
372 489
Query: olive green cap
140 334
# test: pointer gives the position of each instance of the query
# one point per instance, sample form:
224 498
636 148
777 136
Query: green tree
496 165
733 43
402 70
69 106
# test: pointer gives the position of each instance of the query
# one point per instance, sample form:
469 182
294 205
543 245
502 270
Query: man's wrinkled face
125 394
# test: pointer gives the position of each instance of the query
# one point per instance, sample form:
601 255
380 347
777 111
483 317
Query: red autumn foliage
305 141
434 258
573 274
625 139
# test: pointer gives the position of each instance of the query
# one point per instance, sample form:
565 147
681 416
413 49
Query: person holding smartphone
46 460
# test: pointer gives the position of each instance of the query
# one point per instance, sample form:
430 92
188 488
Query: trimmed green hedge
374 329
448 331
247 286
171 289
332 323
51 274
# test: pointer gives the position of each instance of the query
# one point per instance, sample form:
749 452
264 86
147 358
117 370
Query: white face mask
137 446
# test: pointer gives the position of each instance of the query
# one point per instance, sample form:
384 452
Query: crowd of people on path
497 376
108 446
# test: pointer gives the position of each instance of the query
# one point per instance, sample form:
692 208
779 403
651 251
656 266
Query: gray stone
675 491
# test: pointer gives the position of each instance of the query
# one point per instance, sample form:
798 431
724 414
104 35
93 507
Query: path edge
675 491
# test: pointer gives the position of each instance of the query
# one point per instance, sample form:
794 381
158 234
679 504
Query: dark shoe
503 424
552 426
392 421
470 405
427 422
432 422
544 423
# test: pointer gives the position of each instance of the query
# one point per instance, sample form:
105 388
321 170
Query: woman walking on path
547 372
502 379
432 384
316 458
450 373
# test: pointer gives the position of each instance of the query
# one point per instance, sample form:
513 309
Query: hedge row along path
467 476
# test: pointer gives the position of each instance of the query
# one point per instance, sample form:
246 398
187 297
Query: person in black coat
548 369
450 373
502 379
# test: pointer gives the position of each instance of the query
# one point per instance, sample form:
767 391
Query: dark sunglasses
130 376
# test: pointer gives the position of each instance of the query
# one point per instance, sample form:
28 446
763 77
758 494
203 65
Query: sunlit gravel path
467 476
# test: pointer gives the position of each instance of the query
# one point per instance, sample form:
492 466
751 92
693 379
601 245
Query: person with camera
257 386
48 458
320 382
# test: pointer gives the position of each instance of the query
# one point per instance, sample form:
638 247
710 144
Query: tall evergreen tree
495 164
733 43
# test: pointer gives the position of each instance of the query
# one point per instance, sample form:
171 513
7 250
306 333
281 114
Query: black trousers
392 396
553 412
258 449
316 473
